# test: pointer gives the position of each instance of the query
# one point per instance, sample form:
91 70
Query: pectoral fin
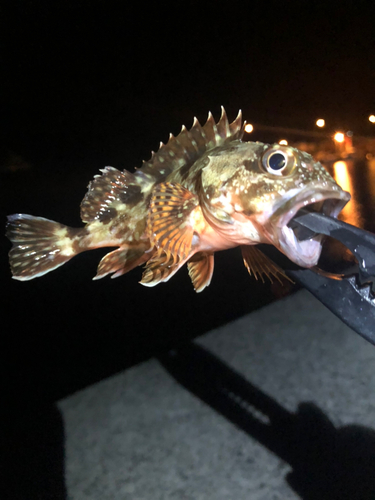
170 226
259 264
201 268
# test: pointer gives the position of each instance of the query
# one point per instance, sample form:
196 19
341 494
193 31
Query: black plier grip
350 297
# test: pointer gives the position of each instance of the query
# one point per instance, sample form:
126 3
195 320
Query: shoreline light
283 142
371 118
339 137
320 122
249 128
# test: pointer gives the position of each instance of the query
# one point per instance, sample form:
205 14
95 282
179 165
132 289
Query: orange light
249 128
320 122
283 142
341 175
339 137
351 212
372 118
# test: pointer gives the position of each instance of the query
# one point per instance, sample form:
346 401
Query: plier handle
350 296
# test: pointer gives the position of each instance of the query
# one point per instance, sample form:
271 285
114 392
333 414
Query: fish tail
39 245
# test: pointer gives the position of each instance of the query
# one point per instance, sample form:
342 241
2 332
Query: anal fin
258 264
201 268
120 261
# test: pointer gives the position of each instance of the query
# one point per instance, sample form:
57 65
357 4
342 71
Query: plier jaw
360 242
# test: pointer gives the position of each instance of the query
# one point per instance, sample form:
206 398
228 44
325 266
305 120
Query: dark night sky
83 76
89 84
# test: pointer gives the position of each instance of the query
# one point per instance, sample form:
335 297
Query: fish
204 191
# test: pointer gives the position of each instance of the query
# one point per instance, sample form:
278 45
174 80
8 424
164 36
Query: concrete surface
278 404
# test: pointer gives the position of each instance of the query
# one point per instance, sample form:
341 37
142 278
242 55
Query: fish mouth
301 248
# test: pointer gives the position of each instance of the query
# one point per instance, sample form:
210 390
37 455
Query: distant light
341 175
249 128
339 137
320 122
283 142
372 118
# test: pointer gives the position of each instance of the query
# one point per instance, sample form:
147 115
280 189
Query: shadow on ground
327 462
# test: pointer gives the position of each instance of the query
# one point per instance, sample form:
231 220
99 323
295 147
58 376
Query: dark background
89 84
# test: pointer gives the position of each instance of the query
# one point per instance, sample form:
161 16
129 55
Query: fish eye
278 162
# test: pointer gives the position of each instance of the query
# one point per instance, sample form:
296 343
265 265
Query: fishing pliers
349 296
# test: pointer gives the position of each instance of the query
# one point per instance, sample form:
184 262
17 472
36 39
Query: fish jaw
304 253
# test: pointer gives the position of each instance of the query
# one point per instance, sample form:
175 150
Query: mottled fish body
204 191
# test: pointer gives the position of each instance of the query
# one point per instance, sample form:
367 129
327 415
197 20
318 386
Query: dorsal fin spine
223 125
190 145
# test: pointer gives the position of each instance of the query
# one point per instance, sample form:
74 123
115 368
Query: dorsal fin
189 145
108 194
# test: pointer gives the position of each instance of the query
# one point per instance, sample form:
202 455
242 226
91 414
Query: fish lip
315 195
304 253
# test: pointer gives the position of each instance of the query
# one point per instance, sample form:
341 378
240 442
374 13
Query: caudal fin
39 245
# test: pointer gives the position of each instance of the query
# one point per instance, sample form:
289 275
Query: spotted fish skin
203 191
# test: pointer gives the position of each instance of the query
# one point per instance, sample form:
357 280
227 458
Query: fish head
261 192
